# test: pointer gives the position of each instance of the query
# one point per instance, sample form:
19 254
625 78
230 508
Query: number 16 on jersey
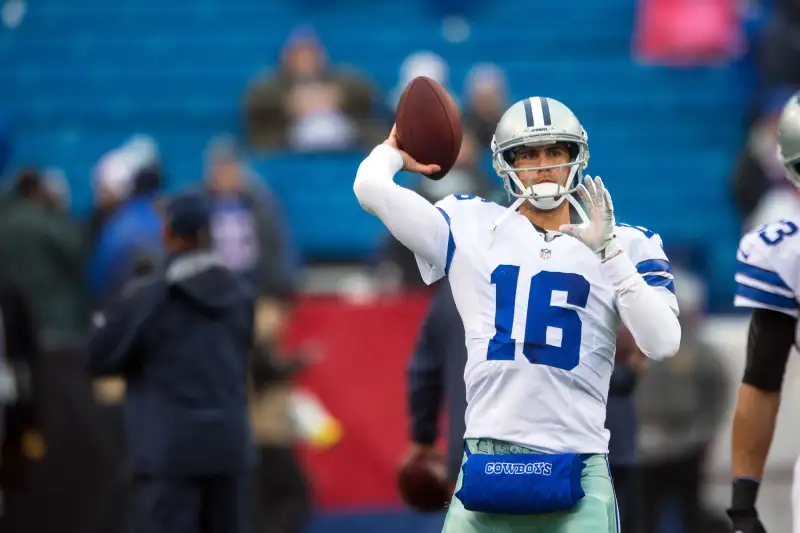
552 333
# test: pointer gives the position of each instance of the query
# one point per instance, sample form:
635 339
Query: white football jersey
768 270
540 321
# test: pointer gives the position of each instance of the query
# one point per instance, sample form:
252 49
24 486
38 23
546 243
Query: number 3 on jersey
552 333
773 234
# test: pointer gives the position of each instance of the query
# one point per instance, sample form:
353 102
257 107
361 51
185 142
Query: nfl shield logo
545 253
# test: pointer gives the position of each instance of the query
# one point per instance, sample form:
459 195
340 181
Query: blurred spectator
182 340
283 495
19 393
128 225
423 63
466 177
56 188
681 402
249 233
630 362
43 252
308 105
486 90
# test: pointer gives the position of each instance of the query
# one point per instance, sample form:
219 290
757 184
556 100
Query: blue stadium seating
81 76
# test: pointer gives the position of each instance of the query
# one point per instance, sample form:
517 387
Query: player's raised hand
598 233
409 163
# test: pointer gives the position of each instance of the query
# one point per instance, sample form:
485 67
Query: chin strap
506 214
527 193
579 209
581 213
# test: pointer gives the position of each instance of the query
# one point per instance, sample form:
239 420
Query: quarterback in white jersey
540 299
768 282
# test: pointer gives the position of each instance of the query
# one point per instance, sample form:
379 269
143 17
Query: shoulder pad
646 251
462 201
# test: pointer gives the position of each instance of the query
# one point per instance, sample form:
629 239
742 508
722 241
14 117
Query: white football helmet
789 139
540 121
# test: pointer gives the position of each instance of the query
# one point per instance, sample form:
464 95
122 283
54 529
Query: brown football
429 125
422 482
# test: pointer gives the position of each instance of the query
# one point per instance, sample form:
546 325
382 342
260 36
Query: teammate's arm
408 216
770 339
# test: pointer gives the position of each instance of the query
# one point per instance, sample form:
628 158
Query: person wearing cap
181 338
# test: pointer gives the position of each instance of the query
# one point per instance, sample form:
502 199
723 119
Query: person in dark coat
181 339
436 378
19 395
43 253
630 362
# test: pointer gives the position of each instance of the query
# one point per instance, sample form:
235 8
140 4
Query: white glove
598 233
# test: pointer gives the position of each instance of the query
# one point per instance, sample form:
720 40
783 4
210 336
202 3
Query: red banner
688 32
361 380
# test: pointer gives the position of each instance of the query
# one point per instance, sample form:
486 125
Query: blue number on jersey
647 232
469 197
541 315
788 229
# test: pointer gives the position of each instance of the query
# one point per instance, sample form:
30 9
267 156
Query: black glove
746 521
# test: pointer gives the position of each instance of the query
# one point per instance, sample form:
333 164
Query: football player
540 299
768 281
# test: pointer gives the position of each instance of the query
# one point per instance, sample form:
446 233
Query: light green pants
596 512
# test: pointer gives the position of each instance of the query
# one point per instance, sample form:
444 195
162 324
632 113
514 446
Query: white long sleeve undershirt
407 215
644 310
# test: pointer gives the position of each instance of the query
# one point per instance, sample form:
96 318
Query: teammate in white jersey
540 299
768 281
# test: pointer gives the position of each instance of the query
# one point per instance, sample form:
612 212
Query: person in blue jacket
181 338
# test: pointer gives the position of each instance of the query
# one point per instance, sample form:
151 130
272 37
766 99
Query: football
422 482
429 125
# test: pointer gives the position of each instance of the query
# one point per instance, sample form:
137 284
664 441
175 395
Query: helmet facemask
544 196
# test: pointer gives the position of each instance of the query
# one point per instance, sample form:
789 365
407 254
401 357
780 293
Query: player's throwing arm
429 124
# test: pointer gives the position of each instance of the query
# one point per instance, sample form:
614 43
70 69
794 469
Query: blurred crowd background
269 106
